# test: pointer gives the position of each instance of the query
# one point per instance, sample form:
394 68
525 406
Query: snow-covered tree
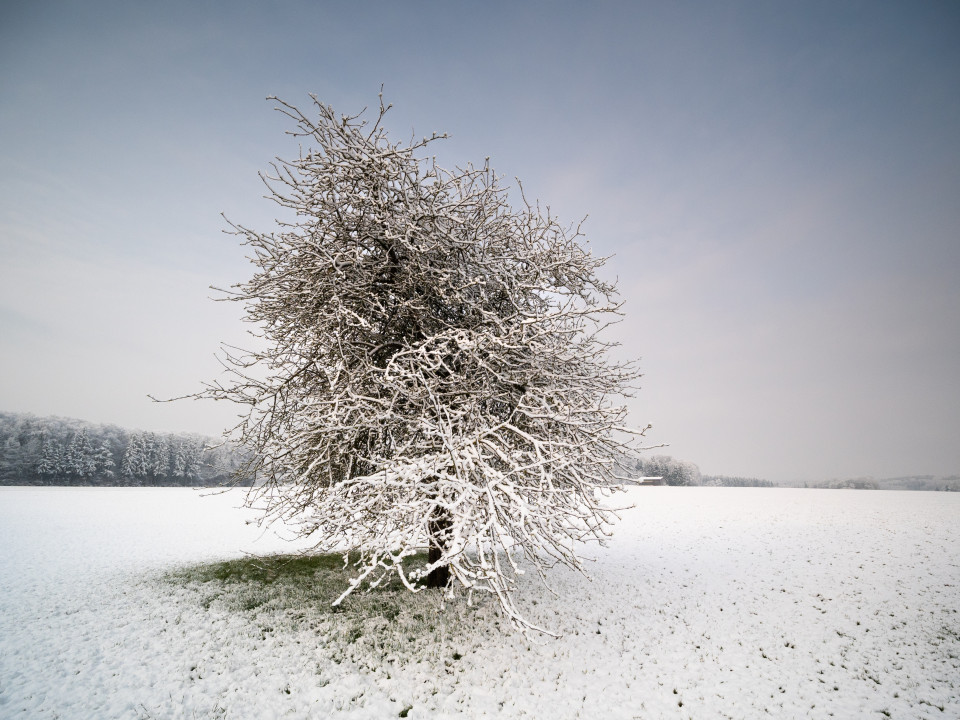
79 458
178 459
103 459
134 464
158 456
193 459
669 470
49 462
432 372
11 465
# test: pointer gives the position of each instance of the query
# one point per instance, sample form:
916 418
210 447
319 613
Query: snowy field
708 603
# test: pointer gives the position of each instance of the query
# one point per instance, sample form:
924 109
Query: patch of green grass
293 582
266 570
283 594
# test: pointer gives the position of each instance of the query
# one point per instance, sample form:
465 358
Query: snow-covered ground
737 603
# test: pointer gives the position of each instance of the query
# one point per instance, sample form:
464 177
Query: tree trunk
439 577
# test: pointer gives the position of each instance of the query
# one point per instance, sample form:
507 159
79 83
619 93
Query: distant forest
941 483
685 473
63 451
671 471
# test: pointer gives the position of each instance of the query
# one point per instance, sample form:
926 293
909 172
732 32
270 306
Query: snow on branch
433 372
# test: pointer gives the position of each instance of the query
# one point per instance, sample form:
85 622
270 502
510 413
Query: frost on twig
433 373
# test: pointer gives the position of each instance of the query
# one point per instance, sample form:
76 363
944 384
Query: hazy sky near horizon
778 185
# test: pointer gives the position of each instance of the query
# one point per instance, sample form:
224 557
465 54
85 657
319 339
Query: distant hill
65 451
670 471
939 483
949 483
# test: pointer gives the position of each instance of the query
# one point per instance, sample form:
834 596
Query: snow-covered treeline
734 481
683 472
669 470
942 483
63 451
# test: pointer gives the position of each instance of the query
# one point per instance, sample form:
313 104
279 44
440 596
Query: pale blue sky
779 184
